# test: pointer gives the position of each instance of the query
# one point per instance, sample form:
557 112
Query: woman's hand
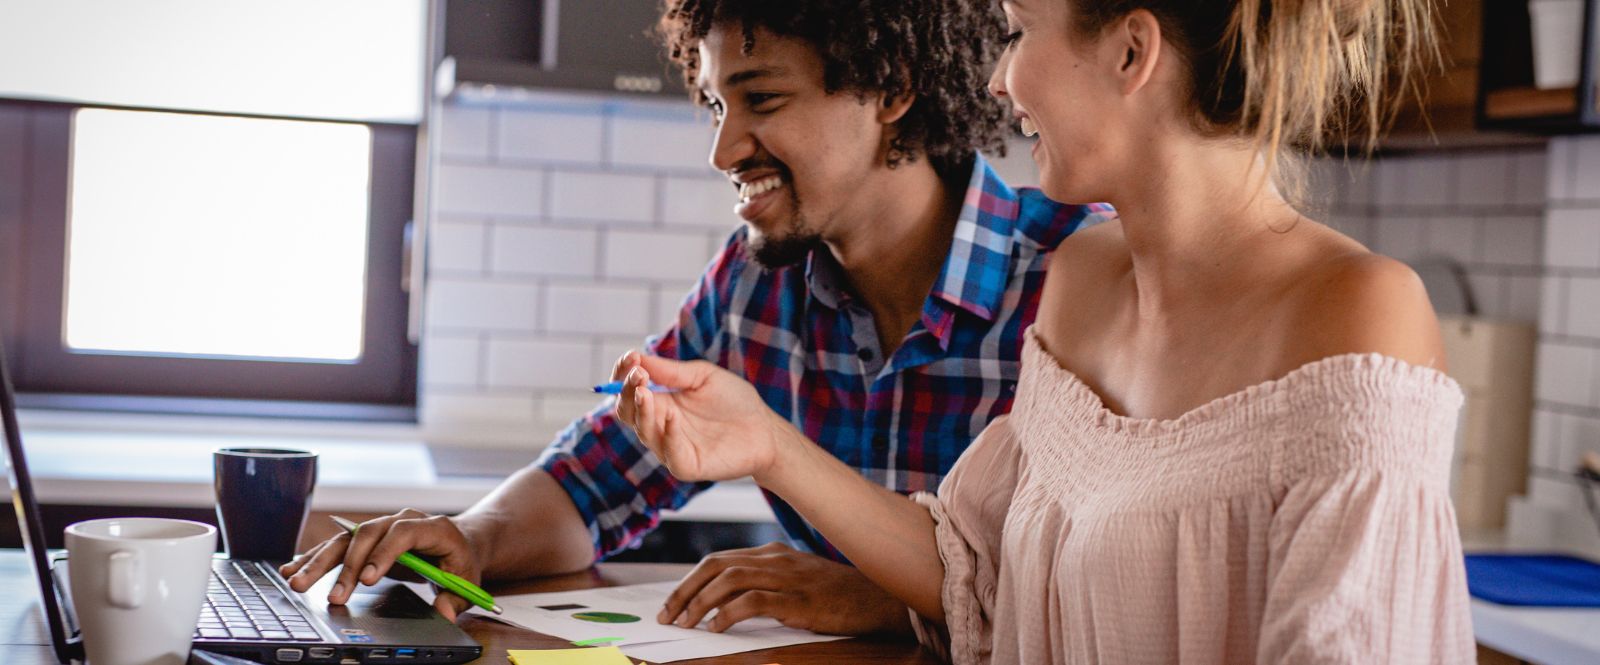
713 427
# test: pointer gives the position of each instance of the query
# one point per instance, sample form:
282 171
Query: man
876 297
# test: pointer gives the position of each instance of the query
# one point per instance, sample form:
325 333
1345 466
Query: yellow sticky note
585 656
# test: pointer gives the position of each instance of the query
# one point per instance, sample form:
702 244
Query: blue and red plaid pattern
812 352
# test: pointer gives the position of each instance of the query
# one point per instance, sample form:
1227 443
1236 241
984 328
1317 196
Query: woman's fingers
646 414
676 374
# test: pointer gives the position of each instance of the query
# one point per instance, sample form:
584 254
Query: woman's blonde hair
1291 72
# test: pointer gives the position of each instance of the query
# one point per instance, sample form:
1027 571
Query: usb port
378 653
405 653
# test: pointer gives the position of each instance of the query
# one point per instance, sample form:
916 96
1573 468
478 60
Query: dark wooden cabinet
1508 100
592 45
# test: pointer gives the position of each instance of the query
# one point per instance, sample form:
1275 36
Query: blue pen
615 388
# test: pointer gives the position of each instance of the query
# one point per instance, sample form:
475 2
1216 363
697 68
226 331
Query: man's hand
375 547
798 589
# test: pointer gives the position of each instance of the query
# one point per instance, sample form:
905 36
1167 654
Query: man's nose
733 144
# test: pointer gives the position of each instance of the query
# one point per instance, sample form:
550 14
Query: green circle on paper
606 617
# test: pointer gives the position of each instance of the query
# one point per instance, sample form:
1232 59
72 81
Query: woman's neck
1204 209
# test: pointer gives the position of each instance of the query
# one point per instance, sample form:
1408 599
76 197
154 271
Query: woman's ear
1138 38
894 107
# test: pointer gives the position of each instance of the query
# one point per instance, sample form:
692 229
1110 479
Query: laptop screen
28 522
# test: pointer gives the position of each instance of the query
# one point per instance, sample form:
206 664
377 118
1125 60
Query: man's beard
790 249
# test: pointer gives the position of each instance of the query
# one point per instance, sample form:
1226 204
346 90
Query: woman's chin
1063 192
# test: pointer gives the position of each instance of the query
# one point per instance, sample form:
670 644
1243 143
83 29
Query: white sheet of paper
708 645
644 601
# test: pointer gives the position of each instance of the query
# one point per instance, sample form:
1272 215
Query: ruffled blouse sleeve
970 513
1364 561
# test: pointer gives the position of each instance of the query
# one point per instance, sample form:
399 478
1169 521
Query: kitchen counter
365 473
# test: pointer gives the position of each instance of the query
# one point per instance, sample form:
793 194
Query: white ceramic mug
137 586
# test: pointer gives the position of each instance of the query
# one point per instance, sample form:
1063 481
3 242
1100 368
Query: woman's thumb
674 373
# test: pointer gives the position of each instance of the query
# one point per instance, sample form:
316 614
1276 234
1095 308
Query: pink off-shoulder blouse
1301 520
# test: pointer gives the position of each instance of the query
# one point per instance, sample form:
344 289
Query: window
204 256
283 276
356 60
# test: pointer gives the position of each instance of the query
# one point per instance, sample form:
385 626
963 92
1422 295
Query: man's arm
538 522
527 527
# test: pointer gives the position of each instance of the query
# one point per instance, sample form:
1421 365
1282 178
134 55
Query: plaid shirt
811 350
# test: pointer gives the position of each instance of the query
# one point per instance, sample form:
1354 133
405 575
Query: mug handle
124 583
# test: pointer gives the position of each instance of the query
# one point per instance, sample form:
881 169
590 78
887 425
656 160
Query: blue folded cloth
1537 580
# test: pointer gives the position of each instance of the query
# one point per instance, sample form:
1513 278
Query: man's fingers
450 605
395 542
428 535
356 556
300 560
733 582
318 562
753 604
708 569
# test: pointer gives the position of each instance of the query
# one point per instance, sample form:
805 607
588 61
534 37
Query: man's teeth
751 190
1028 128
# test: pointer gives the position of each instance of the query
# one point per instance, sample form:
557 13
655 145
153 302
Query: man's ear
894 107
1137 37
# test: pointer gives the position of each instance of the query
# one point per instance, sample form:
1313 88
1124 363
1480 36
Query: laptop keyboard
242 603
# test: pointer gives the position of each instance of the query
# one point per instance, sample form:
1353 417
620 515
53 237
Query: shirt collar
975 272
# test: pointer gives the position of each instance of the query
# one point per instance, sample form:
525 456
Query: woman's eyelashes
1011 38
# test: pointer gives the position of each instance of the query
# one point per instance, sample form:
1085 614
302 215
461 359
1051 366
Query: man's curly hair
940 51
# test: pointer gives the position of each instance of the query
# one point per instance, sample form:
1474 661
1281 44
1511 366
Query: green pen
451 582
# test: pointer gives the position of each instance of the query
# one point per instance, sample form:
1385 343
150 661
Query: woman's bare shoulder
1081 270
1094 249
1355 301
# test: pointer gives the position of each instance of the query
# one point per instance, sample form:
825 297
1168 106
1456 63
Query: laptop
249 610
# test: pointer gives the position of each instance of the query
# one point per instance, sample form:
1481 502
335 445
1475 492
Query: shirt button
865 355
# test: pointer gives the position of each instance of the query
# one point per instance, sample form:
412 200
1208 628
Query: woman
1232 445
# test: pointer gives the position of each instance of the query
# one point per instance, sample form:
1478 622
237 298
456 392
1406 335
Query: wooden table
24 639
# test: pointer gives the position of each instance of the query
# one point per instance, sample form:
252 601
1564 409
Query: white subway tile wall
457 247
565 230
1524 224
518 249
1567 407
1484 210
573 137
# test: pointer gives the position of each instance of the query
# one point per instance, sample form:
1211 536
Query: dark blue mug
263 497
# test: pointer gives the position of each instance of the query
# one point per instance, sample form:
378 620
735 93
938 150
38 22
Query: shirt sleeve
1366 567
618 486
969 514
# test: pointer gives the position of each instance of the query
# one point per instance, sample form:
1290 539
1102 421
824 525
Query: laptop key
246 633
213 632
274 634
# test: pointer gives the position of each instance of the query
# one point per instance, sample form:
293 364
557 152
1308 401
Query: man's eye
757 99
